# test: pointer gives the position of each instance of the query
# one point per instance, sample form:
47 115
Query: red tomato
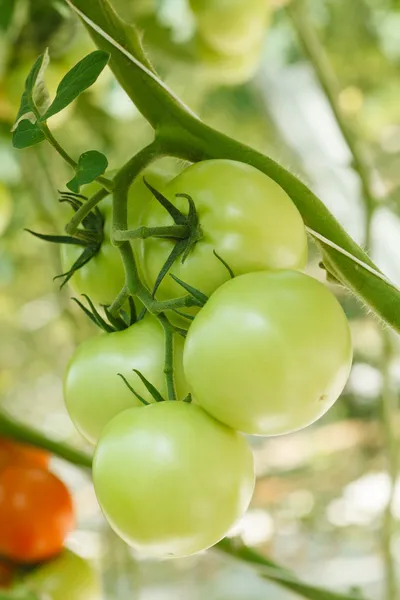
36 514
21 455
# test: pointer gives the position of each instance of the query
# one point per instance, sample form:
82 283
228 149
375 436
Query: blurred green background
326 502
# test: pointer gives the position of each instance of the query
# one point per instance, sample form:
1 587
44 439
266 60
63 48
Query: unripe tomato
221 69
67 577
269 353
103 277
36 514
231 26
170 479
93 391
244 216
21 455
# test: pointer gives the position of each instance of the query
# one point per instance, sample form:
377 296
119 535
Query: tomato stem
84 210
169 355
177 232
10 428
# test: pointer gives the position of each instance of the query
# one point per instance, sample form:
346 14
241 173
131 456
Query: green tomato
244 216
221 69
170 479
269 353
67 576
93 391
231 26
103 277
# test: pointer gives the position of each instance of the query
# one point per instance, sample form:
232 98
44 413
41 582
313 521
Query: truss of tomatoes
268 354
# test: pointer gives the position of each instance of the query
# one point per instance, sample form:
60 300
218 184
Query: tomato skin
269 353
244 215
15 454
94 393
170 479
66 576
221 69
231 27
36 514
103 277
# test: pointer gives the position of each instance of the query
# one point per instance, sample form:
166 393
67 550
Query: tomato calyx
115 322
90 236
153 391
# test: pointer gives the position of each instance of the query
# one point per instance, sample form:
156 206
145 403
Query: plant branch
10 428
319 60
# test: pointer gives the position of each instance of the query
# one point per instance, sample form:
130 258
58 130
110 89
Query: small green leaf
27 134
77 80
90 165
35 99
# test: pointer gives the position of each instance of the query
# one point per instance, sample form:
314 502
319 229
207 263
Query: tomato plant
15 454
231 26
269 353
93 391
103 276
170 479
36 514
244 216
66 576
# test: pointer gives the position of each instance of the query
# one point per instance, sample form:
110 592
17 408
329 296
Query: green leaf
35 99
90 165
27 134
77 80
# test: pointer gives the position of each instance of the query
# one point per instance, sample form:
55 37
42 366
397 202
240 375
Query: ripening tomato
103 277
16 454
170 479
231 27
244 216
67 576
269 353
36 514
93 391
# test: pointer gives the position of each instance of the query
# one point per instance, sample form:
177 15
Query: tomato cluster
267 354
36 511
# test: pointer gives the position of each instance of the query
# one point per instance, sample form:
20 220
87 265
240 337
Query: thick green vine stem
180 134
9 428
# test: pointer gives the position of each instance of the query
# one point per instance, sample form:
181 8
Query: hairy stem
10 428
